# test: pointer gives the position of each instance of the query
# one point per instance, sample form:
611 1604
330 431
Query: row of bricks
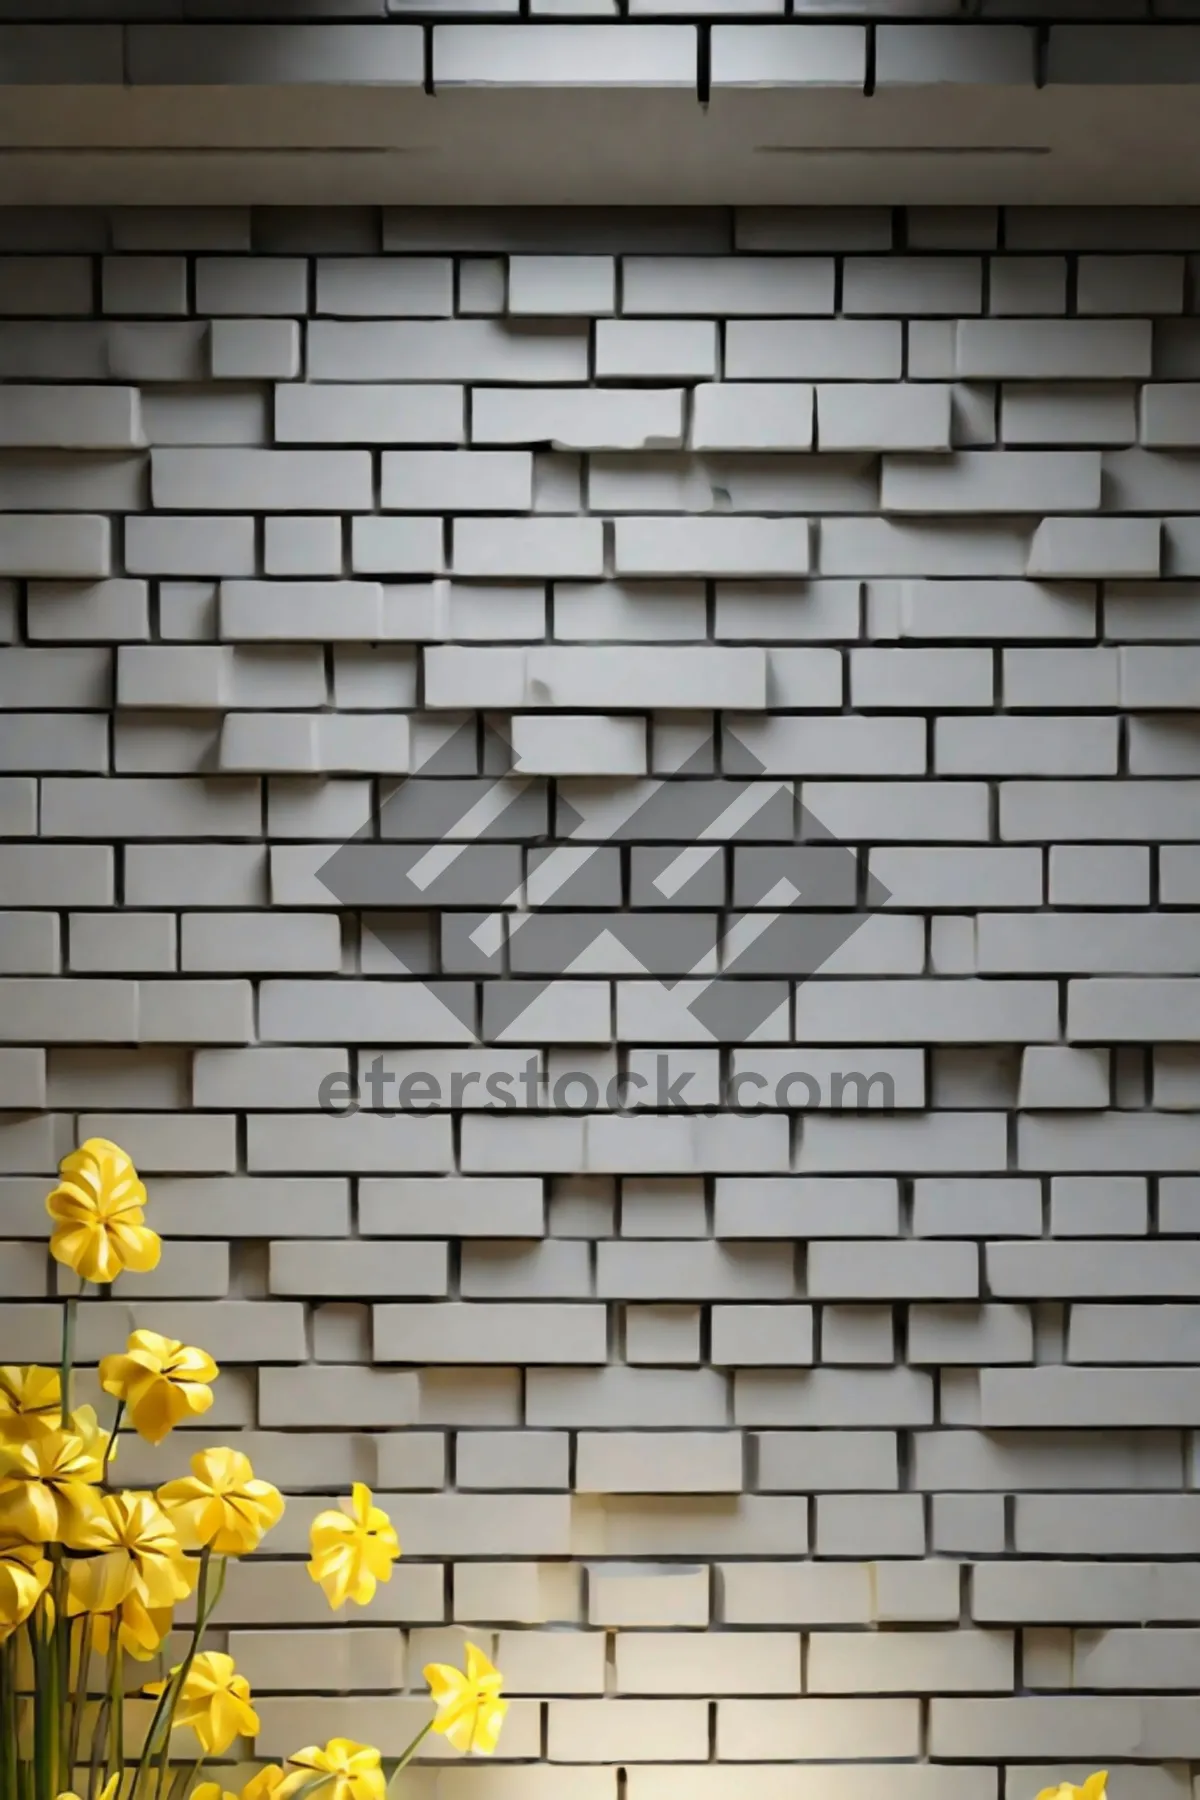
667 1333
733 1662
484 349
547 286
241 876
771 416
567 744
78 546
496 1208
493 1321
941 1463
629 1080
38 686
776 1377
812 1731
119 610
810 1594
436 55
245 674
672 943
1101 1010
595 230
157 740
130 807
768 416
801 54
789 1731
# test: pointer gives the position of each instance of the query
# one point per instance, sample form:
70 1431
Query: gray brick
1070 413
245 285
254 349
1053 349
202 480
1007 481
570 286
788 55
727 285
449 350
837 350
333 413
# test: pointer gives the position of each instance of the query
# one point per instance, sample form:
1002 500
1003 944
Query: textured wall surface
840 1438
422 46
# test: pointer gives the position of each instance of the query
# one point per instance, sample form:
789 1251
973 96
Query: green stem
112 1439
59 1647
83 1676
67 1359
174 1683
116 1705
99 1737
412 1749
45 1774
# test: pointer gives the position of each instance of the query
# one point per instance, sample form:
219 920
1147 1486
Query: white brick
574 286
578 418
358 413
856 415
391 287
788 55
578 744
67 545
1053 349
750 547
837 350
443 350
1000 481
724 285
732 415
200 480
684 1462
633 349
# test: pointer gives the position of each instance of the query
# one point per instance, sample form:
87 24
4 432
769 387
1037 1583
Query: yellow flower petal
352 1550
221 1504
48 1486
30 1401
353 1770
160 1381
24 1577
97 1210
470 1710
214 1702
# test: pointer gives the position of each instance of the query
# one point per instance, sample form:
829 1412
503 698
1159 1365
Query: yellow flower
48 1492
1091 1789
30 1401
161 1381
353 1549
24 1578
470 1711
214 1702
97 1213
221 1504
136 1576
353 1768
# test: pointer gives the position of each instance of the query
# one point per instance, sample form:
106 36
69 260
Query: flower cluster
89 1570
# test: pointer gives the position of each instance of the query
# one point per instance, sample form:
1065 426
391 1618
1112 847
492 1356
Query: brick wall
899 516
